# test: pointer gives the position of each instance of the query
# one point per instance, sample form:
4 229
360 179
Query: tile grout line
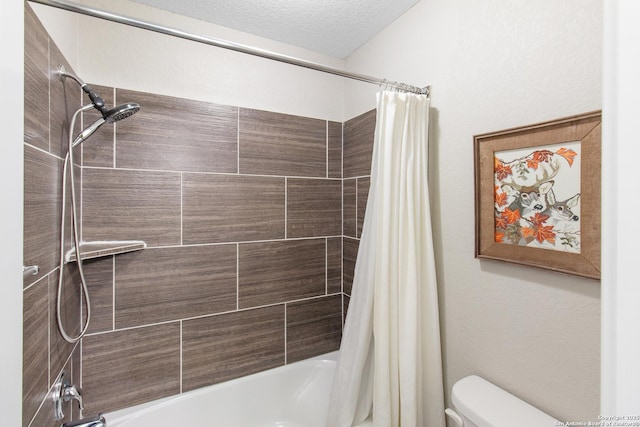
327 146
113 294
181 208
181 360
285 206
237 276
115 126
238 142
44 276
80 382
81 177
168 171
342 152
356 212
242 242
202 316
50 320
342 239
326 266
49 96
285 333
26 144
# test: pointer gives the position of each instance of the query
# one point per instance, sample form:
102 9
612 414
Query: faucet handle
64 391
71 392
57 395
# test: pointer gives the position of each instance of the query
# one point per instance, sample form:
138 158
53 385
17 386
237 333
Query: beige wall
11 119
495 65
121 56
620 378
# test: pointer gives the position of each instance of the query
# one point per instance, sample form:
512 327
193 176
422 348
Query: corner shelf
99 249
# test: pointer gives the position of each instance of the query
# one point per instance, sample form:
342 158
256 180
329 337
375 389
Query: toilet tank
483 404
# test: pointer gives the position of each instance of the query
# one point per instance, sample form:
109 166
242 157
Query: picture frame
537 195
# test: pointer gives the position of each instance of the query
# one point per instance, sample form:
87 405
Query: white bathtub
295 395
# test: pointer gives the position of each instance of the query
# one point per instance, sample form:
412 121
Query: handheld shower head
108 116
121 112
113 115
87 132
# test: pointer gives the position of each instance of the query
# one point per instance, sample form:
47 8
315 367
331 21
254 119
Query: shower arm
98 102
62 72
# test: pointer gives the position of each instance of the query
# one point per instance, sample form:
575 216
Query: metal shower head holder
96 100
113 115
106 116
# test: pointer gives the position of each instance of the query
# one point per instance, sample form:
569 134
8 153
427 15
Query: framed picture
538 195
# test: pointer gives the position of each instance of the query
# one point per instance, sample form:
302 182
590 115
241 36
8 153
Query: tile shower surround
48 104
252 240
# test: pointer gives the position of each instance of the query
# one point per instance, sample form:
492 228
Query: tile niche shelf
99 249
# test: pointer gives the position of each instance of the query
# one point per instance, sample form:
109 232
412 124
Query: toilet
479 403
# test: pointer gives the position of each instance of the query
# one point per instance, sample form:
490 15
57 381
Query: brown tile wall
358 145
252 221
133 366
358 136
49 104
220 348
242 214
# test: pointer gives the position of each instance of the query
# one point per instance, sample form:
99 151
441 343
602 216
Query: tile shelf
99 249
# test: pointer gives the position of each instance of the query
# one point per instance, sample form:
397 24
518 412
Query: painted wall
120 56
63 27
11 151
620 291
495 65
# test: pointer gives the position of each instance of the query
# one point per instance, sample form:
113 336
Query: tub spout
97 421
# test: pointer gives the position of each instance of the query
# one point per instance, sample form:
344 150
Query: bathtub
295 395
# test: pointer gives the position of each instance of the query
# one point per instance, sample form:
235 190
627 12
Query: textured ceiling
333 27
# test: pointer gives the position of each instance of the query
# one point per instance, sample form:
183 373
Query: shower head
115 114
108 116
121 112
88 131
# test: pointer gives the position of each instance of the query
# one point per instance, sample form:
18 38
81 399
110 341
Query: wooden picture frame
537 195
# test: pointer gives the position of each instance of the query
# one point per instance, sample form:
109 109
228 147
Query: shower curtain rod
103 14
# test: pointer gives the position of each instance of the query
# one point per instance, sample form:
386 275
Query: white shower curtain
390 364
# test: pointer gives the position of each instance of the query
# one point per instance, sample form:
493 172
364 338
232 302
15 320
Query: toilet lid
487 405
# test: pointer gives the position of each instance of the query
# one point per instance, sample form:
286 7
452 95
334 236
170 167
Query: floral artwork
537 197
538 194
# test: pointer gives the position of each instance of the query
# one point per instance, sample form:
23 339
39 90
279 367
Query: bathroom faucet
97 421
64 391
70 392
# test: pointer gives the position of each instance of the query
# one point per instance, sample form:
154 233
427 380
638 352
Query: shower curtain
390 365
